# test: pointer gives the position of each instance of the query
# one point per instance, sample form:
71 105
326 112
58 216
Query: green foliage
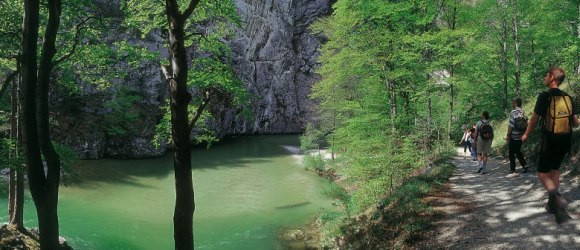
8 158
315 161
211 73
68 161
400 78
123 115
99 65
10 18
395 221
203 133
4 119
149 16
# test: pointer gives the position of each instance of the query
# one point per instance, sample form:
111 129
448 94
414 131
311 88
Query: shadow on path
501 211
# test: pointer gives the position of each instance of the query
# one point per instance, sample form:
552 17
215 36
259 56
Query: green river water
248 189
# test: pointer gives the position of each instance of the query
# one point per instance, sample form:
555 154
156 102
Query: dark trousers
515 149
466 146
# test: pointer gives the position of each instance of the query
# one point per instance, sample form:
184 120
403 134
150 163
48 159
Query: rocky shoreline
11 238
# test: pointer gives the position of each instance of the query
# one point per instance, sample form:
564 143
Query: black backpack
486 131
521 122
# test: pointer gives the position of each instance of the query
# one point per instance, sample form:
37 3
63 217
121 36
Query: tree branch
192 5
200 109
196 34
167 72
79 27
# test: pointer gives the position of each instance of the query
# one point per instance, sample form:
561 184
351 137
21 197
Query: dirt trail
500 211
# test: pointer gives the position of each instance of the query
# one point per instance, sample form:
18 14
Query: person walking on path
465 142
484 137
516 128
472 143
558 116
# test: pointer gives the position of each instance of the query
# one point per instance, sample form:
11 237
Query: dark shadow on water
294 205
232 152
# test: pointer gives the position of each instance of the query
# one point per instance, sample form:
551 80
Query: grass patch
395 222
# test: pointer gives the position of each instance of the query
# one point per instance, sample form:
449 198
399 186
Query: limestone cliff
274 55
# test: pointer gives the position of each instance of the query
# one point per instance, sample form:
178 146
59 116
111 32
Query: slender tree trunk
451 75
504 62
578 35
16 179
391 92
30 144
35 135
332 156
48 214
517 73
430 115
179 102
393 99
534 61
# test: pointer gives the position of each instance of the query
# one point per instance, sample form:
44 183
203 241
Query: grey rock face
274 54
276 57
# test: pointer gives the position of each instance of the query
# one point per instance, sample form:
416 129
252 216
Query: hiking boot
551 205
550 208
560 201
562 216
525 170
479 171
561 213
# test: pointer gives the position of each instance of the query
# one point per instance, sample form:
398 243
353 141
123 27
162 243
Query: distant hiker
518 124
558 115
465 142
472 142
484 137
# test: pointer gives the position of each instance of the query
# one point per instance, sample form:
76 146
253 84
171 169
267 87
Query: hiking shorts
483 146
552 152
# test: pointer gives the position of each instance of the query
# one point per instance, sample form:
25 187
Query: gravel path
500 211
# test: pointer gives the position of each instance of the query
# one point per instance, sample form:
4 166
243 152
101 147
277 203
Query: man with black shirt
556 138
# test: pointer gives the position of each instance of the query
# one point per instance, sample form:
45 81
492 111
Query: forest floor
500 211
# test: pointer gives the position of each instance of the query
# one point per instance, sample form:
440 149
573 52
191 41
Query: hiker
558 116
472 142
483 139
465 142
518 123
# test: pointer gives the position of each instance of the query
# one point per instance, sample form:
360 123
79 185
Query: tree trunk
504 63
16 178
429 115
451 75
48 215
578 35
30 143
179 102
517 73
392 95
35 79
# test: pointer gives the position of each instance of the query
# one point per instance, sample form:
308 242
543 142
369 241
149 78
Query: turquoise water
247 190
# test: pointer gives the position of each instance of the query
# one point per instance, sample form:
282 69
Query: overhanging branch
200 109
78 29
190 8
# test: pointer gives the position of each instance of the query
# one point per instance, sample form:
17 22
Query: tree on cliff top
192 28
